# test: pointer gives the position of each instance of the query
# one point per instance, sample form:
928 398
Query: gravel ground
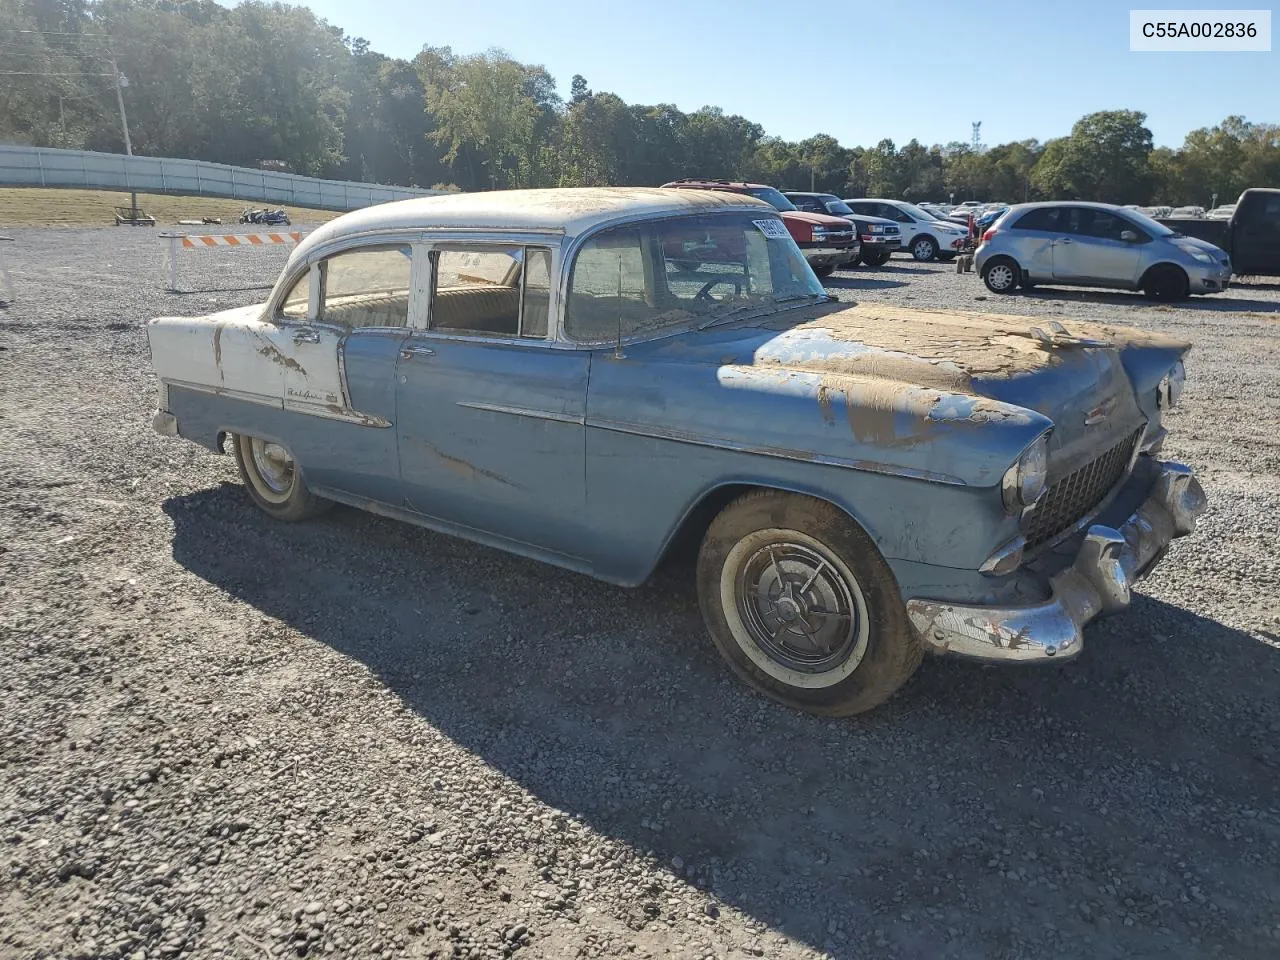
228 737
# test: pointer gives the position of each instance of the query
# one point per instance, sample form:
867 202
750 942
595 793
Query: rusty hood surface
936 392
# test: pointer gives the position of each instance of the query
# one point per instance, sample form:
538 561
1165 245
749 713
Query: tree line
265 82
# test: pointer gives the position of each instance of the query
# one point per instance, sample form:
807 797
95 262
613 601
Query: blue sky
794 67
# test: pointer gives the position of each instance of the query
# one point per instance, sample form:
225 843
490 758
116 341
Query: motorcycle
264 216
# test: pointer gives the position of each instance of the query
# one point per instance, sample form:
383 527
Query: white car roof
568 211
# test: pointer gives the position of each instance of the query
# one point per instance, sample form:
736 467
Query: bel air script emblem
1100 413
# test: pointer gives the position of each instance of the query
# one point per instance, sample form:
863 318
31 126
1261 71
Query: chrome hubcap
798 608
274 465
1000 277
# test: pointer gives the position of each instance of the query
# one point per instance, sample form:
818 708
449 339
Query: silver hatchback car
1097 245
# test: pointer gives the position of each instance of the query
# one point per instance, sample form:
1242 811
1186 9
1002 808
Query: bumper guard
1097 583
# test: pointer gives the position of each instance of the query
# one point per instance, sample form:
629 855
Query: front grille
1077 494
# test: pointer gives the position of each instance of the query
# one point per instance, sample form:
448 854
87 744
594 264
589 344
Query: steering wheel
705 293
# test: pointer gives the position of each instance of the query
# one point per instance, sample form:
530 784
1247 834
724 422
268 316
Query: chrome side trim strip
334 412
522 412
870 466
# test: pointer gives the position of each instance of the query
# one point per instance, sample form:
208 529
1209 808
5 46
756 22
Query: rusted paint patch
824 404
363 419
942 349
464 468
217 350
272 353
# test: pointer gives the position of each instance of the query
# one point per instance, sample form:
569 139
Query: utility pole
124 123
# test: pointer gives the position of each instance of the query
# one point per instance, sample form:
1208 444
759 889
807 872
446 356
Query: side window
1045 219
294 304
368 287
1107 226
485 290
1260 208
608 286
893 213
808 205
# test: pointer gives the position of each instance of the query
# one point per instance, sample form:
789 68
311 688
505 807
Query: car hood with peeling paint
940 394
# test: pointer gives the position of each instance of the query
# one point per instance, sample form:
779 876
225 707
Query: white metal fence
22 166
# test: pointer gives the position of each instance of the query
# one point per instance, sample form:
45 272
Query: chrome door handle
1062 240
306 336
408 353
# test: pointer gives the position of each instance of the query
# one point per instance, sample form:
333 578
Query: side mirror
1128 236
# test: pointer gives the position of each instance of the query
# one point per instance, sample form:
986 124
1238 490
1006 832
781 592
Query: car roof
1037 204
566 210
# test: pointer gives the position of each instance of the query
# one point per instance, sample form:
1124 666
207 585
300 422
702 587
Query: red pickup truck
827 242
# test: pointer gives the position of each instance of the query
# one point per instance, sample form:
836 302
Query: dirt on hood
943 349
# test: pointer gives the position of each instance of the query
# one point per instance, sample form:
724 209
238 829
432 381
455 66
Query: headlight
876 227
819 232
1201 256
1025 480
1170 389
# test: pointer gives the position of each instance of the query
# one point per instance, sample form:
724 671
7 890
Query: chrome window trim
434 245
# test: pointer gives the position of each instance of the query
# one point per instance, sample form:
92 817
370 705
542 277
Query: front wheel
1000 274
824 272
1166 282
876 258
273 480
924 249
800 603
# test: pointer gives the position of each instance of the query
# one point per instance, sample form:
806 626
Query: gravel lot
223 736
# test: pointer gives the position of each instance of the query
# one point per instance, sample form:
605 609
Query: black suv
880 237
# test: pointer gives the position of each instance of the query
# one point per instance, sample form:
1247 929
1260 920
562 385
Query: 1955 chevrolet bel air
600 377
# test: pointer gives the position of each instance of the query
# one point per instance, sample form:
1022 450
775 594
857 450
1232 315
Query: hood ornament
1061 337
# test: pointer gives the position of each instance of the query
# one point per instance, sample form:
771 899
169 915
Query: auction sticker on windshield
773 229
1200 30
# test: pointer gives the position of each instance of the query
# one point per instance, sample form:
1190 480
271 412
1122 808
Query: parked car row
882 227
603 378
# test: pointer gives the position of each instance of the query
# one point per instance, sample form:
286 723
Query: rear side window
1046 218
497 291
1261 208
368 287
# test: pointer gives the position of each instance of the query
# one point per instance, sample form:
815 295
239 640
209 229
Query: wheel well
682 546
997 258
1162 265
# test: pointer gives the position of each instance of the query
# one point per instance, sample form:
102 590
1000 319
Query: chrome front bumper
1110 561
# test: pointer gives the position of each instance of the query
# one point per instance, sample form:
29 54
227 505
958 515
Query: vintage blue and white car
600 377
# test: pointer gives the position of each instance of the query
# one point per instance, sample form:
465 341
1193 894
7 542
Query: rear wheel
1166 282
273 480
947 256
1000 274
800 603
924 249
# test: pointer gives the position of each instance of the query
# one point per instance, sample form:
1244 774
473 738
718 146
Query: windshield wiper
738 313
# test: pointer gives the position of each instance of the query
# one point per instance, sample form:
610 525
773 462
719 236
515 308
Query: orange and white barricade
179 242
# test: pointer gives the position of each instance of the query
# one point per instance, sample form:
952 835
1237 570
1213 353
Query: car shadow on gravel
862 283
975 785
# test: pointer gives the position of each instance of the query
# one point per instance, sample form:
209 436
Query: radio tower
977 137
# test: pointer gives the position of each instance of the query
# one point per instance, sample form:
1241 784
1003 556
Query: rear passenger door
1257 235
490 409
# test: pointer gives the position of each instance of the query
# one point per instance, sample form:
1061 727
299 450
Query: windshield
772 197
1153 227
837 207
913 210
657 276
